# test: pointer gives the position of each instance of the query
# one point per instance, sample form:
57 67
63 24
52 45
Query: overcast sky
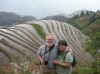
42 8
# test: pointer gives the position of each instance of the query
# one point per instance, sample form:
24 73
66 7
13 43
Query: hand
55 62
42 61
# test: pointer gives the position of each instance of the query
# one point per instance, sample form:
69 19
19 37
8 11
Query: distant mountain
77 12
89 20
59 17
9 18
63 17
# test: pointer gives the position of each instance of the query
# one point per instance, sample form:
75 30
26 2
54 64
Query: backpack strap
71 50
74 59
65 55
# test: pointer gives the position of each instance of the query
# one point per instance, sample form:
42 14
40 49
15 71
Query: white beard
49 44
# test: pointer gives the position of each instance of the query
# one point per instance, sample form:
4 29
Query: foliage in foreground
91 69
28 66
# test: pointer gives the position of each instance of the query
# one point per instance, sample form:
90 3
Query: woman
64 59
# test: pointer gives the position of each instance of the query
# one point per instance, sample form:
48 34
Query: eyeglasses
61 45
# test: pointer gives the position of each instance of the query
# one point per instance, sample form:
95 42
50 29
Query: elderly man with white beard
46 54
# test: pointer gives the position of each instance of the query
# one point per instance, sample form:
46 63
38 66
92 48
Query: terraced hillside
19 41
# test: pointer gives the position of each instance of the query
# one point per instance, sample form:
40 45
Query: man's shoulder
42 46
56 45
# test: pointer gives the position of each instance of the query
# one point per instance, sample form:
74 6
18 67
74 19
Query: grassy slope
83 22
39 30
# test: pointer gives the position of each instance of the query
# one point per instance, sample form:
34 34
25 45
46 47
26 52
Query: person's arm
63 64
41 59
68 61
39 55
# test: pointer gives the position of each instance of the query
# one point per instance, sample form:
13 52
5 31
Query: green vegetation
85 20
39 30
93 46
86 70
82 70
89 24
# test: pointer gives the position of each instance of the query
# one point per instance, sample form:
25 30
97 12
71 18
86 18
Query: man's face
49 40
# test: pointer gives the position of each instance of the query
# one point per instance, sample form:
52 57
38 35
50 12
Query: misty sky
42 8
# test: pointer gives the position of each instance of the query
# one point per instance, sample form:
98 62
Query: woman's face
62 47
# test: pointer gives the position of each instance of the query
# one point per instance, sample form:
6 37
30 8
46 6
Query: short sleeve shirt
68 58
49 56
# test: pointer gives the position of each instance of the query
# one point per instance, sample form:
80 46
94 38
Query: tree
82 14
93 46
75 16
98 11
92 18
87 12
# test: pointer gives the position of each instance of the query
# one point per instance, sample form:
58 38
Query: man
46 54
64 59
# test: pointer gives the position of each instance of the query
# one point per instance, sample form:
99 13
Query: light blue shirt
49 56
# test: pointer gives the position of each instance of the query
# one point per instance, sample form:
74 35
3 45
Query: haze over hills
10 18
75 19
80 19
77 12
64 16
89 19
59 17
